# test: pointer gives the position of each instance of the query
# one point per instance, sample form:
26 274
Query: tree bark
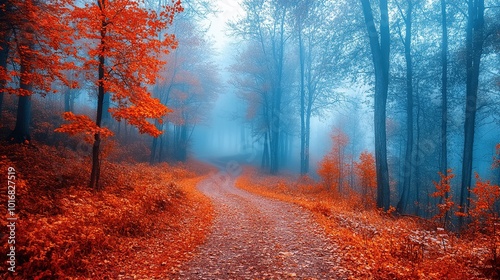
265 153
303 168
444 96
96 161
380 56
278 56
408 164
474 49
21 132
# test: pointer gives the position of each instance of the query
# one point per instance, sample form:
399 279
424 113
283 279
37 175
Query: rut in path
258 238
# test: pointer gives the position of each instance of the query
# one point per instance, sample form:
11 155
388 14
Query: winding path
258 238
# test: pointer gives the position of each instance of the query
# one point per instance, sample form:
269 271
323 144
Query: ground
254 237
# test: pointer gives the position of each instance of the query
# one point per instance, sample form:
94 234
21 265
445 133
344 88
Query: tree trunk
444 96
96 161
21 132
4 54
265 153
278 53
408 164
68 100
303 169
474 49
380 56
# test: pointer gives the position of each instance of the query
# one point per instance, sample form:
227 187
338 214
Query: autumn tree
5 34
35 40
332 168
367 177
443 189
123 47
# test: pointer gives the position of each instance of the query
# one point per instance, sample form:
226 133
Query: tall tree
444 95
408 163
265 23
123 45
5 34
474 49
380 49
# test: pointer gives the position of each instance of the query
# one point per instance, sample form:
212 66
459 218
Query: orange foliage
485 219
40 46
374 245
126 36
367 176
147 214
443 192
332 168
84 125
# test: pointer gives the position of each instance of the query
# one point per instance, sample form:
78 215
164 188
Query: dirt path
257 238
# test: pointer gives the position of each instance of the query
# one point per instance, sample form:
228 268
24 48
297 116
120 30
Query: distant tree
265 23
380 49
123 52
332 168
367 177
317 76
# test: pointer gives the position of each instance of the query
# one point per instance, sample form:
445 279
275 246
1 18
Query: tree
5 35
408 163
123 47
446 203
265 24
316 74
332 167
380 49
444 92
474 49
35 39
366 174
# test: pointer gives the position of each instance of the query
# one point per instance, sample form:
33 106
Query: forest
250 139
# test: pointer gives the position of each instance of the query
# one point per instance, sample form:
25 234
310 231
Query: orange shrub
367 177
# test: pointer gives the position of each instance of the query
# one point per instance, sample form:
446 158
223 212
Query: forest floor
372 244
186 222
145 222
254 237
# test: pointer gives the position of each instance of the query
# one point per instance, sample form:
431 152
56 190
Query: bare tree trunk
303 169
380 56
408 164
21 132
474 49
444 96
278 55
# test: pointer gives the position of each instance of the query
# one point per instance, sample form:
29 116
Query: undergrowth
145 222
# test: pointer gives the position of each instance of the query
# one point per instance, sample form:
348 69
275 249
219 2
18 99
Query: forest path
258 238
